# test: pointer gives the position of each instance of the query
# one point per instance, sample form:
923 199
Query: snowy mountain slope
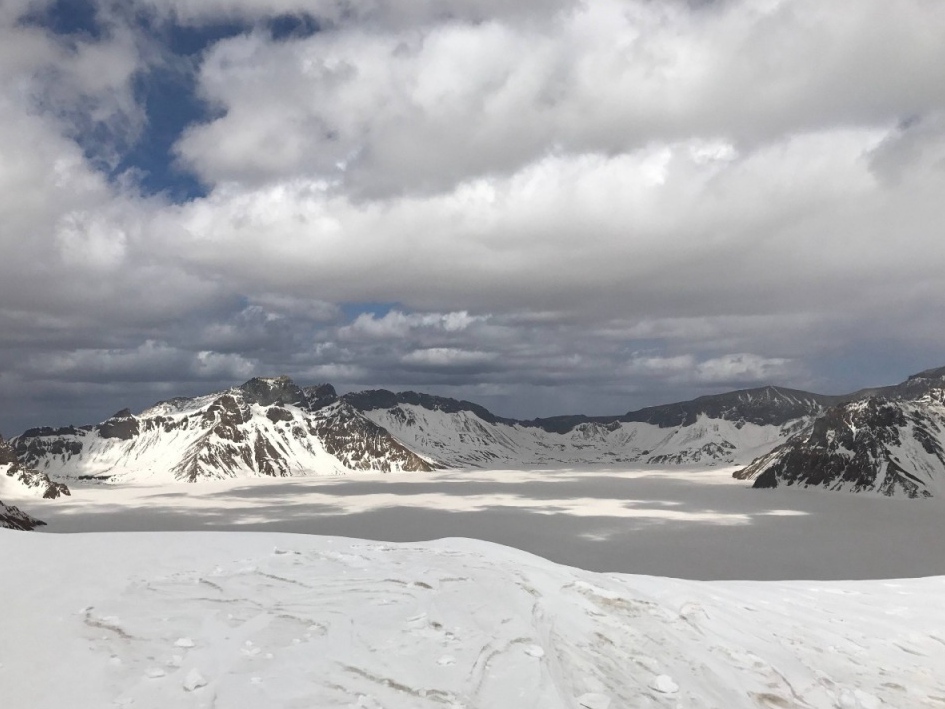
272 620
765 406
462 438
891 443
272 427
19 478
266 427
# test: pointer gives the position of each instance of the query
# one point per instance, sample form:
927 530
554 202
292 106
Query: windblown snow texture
274 620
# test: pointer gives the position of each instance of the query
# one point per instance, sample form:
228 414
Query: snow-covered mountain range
890 441
273 427
266 427
731 428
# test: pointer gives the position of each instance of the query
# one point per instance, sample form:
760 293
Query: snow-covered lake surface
257 617
696 524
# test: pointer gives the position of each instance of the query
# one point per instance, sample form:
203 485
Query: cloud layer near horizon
544 206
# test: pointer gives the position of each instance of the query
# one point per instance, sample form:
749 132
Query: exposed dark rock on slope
891 442
14 518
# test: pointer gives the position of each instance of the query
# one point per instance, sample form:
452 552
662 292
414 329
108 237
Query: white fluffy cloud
549 204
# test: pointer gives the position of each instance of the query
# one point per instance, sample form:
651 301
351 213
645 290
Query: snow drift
250 620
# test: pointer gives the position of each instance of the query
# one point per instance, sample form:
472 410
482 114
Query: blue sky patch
166 90
68 18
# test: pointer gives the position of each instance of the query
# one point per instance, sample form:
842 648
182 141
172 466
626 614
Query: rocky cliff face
892 443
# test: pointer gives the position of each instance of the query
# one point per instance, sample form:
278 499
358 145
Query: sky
546 207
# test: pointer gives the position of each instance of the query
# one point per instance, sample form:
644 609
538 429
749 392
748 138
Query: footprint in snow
664 684
184 642
857 699
194 681
446 661
593 700
534 651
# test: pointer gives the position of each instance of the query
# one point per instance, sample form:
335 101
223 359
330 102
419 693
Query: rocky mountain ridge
887 439
265 427
890 441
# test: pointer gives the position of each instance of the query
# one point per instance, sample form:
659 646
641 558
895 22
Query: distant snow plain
716 595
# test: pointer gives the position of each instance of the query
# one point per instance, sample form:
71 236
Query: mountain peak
267 391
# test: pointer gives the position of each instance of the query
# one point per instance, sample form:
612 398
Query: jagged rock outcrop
892 443
14 518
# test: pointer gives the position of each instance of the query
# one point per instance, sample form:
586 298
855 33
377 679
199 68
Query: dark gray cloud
565 206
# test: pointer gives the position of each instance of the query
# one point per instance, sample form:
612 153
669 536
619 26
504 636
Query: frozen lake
695 524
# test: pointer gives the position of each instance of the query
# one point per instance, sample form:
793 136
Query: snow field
252 620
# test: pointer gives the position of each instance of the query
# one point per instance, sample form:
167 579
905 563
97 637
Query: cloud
590 205
448 358
386 109
397 324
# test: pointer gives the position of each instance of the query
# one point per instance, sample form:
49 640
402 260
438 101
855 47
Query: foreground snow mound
14 518
253 620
